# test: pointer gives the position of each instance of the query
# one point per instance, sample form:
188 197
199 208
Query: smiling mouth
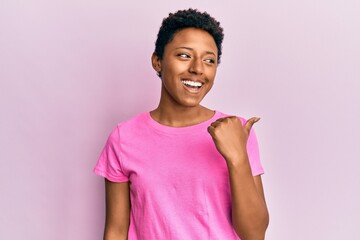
192 84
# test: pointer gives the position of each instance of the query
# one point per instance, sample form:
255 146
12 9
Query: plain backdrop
71 70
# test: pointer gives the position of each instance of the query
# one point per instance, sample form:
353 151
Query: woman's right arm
117 210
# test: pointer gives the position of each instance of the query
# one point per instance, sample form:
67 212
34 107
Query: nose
196 66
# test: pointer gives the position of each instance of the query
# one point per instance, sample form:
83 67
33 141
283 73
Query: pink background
71 70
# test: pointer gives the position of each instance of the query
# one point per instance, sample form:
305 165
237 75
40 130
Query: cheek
173 67
211 74
211 84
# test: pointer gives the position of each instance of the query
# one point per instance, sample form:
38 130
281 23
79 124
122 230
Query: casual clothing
179 182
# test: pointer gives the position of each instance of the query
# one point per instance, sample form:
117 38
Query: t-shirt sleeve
109 162
253 154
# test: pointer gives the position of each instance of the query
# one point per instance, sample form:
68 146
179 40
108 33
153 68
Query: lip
193 80
190 89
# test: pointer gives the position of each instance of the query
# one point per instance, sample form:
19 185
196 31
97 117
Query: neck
180 116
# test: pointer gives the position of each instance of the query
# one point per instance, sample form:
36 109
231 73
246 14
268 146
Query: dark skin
117 210
191 57
250 217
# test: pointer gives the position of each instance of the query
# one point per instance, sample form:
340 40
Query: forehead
194 38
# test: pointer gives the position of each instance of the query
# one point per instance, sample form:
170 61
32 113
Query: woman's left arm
250 216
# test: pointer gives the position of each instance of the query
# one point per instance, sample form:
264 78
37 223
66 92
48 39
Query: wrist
237 157
239 167
237 160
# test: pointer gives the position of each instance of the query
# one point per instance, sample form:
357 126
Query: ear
156 62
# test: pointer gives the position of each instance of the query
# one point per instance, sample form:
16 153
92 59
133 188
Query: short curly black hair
187 19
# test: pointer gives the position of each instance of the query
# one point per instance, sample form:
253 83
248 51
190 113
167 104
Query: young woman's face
188 67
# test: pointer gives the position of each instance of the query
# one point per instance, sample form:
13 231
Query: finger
210 130
219 120
226 118
250 122
215 124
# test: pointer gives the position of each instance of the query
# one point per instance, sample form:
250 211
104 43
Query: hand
230 136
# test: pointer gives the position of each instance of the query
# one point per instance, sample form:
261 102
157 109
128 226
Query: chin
191 103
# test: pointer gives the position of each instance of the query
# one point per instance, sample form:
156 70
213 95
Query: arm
250 216
117 210
249 212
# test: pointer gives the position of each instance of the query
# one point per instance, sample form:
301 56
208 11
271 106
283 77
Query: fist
230 136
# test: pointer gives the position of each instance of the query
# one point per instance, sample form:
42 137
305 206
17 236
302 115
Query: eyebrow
188 48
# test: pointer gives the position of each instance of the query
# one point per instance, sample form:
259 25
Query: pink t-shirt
179 182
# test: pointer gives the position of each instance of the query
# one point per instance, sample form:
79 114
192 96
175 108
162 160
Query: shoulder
132 126
133 121
126 126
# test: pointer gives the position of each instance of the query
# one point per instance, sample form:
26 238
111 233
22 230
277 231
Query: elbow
253 230
115 234
264 222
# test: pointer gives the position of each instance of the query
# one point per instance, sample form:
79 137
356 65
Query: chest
174 162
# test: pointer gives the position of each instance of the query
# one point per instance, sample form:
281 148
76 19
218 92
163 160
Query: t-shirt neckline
180 130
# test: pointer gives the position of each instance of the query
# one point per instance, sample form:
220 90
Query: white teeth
192 83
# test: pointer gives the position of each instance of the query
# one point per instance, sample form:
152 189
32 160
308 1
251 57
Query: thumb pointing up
249 123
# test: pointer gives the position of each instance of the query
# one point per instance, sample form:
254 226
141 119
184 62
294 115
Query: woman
183 171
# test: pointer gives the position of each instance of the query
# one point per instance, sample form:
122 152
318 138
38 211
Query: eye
209 60
183 55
